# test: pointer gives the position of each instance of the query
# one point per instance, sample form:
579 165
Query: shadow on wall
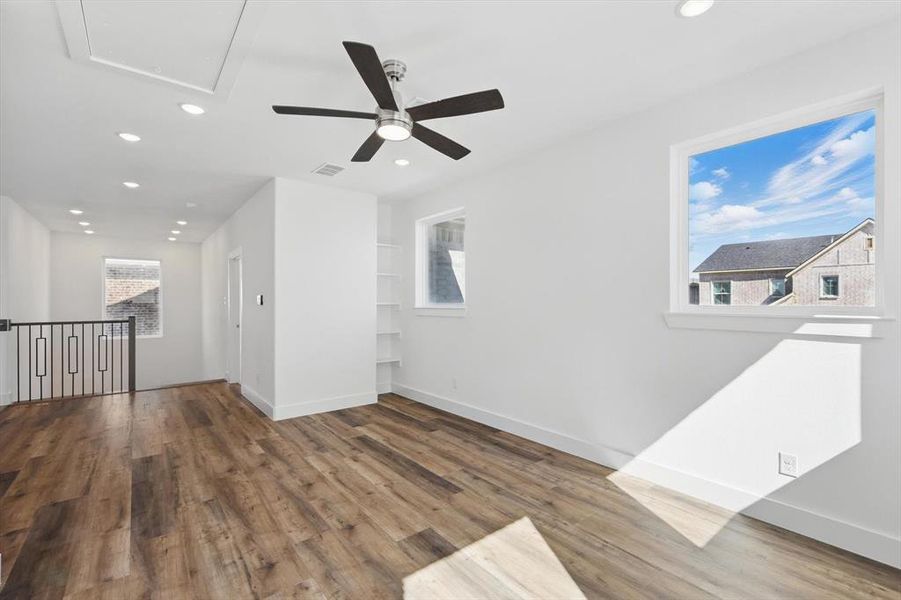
802 398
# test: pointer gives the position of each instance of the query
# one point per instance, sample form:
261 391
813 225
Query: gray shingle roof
787 253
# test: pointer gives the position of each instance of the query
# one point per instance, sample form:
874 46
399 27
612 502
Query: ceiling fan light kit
392 121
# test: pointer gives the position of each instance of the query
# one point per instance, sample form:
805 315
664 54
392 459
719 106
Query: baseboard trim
853 538
257 400
383 387
303 409
6 399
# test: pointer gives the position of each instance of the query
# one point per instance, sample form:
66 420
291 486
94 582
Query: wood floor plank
192 493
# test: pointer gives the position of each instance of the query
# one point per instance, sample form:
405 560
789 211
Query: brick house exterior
132 288
837 270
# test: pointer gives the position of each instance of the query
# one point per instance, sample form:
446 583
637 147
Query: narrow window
441 259
869 243
829 286
132 288
722 292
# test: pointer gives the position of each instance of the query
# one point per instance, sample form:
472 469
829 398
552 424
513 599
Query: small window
869 243
441 260
829 286
132 288
777 286
722 292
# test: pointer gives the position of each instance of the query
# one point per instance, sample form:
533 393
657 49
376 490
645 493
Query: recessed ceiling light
83 223
694 8
402 162
75 211
192 109
171 239
182 223
130 137
89 231
131 184
175 231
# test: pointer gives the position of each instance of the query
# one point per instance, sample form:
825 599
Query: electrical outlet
788 464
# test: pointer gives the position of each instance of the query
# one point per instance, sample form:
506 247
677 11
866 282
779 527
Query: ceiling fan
393 122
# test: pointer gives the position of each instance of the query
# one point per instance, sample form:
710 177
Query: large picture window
441 260
132 288
779 215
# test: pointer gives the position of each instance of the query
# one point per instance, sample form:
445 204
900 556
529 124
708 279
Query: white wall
24 279
76 292
325 286
252 230
565 341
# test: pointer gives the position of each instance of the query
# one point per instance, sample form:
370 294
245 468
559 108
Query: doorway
235 307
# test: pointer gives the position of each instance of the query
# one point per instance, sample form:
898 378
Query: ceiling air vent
328 169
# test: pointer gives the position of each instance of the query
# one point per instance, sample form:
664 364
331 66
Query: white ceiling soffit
194 45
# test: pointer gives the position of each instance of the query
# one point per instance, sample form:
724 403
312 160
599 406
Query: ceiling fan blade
322 112
368 149
370 68
466 104
440 143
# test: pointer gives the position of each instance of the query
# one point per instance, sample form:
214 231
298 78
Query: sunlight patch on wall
802 398
513 562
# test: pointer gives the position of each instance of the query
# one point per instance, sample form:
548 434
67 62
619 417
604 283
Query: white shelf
384 361
388 274
388 333
385 245
397 304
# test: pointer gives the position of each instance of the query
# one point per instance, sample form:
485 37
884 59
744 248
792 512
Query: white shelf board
388 274
383 361
386 245
388 304
388 333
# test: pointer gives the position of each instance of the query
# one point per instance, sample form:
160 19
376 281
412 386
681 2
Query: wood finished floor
190 492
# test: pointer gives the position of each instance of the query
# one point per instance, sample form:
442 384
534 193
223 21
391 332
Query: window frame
103 316
838 287
680 153
714 294
421 275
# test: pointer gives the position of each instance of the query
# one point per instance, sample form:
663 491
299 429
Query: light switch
259 299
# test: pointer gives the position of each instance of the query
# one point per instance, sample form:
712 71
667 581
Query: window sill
440 311
844 326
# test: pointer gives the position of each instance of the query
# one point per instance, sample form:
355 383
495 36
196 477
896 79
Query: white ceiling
562 68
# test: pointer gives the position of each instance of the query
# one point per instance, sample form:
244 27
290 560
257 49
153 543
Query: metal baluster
18 368
81 343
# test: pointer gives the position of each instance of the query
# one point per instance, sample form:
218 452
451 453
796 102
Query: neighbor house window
766 211
777 286
722 292
829 286
441 260
132 288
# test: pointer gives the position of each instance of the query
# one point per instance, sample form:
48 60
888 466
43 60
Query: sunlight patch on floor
513 562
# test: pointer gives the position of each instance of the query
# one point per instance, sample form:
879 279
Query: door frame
234 375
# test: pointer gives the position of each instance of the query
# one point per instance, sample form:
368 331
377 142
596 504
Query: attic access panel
195 45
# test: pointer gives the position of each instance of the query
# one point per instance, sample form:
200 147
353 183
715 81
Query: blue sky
813 180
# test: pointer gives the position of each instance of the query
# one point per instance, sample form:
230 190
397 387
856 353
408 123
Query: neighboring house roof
789 253
772 254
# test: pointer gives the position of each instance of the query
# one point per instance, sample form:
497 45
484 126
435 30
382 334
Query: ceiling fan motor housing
393 125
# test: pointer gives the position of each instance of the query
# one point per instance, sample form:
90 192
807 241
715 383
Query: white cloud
721 173
856 146
703 191
826 169
728 217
